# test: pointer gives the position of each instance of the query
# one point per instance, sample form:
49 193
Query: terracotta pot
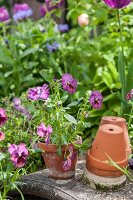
54 163
119 121
110 142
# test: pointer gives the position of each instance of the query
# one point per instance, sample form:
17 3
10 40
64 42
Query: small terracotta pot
54 163
109 142
119 121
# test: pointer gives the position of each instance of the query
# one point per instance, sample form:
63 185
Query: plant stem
123 62
130 118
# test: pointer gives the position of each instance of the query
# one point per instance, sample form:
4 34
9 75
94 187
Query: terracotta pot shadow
119 121
54 163
109 142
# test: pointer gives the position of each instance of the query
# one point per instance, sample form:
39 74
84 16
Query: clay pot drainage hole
110 129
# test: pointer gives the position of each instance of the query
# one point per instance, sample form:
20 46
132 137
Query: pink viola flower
43 11
38 93
21 11
3 117
44 131
2 136
69 84
19 154
118 4
34 93
67 164
44 93
72 155
96 99
4 15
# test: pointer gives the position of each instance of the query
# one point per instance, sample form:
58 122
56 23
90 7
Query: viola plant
8 175
54 123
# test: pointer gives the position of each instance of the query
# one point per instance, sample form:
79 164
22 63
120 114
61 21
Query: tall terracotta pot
119 121
54 163
109 142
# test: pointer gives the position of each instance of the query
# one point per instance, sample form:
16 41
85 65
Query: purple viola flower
67 164
52 47
50 6
63 28
17 101
72 155
44 131
44 93
129 95
38 93
3 117
17 105
21 11
118 4
4 15
43 11
96 99
34 93
19 154
69 84
2 136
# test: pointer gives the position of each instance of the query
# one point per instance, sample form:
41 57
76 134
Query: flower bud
83 20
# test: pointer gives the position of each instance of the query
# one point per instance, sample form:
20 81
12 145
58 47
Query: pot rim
52 147
99 164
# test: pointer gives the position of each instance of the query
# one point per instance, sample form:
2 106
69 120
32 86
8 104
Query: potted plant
58 133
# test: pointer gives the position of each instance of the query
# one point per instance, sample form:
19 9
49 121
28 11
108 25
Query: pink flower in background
51 6
17 105
129 95
3 117
19 154
21 11
44 131
2 136
43 11
83 20
118 4
69 84
4 15
96 99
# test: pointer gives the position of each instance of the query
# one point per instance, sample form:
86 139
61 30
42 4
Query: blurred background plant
29 46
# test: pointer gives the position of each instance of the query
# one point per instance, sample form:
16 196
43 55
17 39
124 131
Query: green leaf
28 52
5 59
64 98
30 107
107 79
59 152
129 80
2 156
47 74
70 118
